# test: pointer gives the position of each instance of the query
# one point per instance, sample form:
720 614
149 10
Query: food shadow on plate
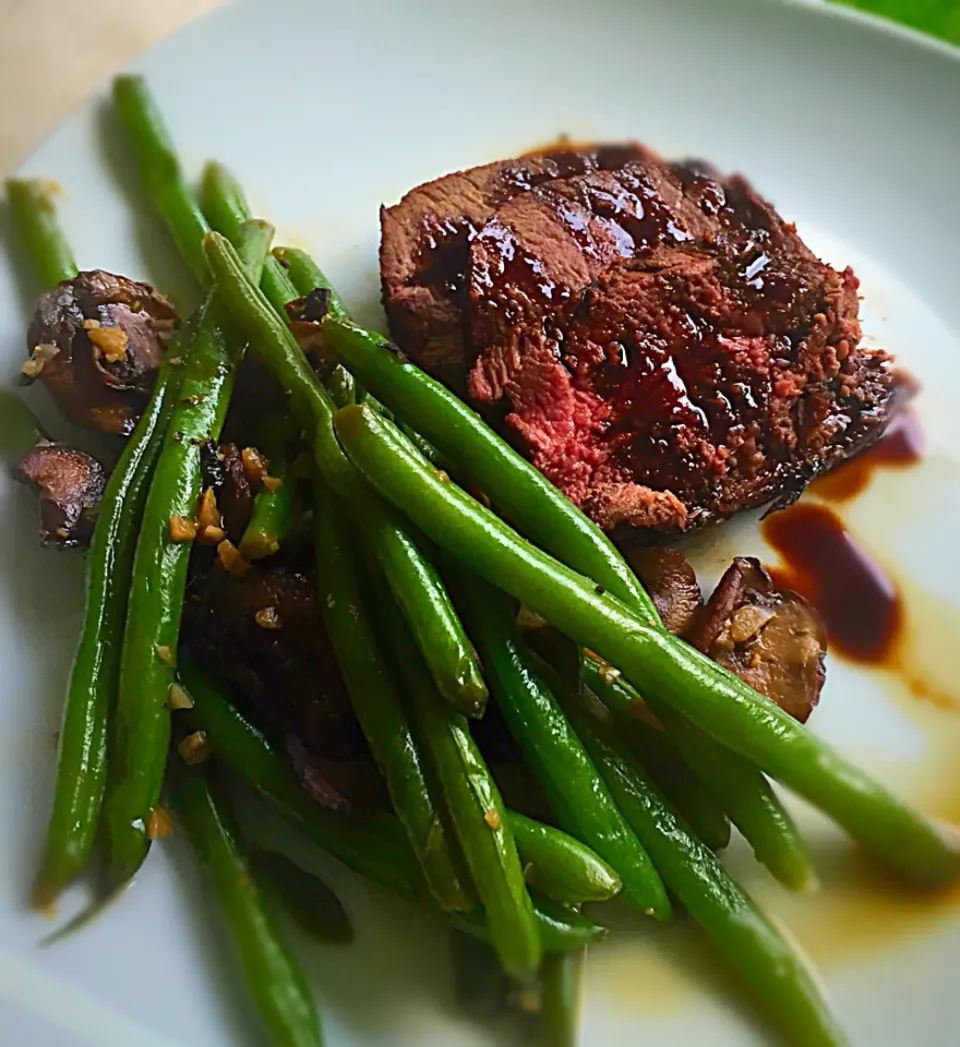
163 265
209 932
44 589
625 964
393 984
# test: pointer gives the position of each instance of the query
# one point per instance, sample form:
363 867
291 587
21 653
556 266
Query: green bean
558 1014
308 900
158 582
375 847
273 978
35 222
375 700
719 703
661 759
747 796
581 801
147 135
412 579
274 510
94 679
305 275
511 482
780 977
477 811
560 928
225 206
559 866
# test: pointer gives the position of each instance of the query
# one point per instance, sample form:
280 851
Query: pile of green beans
720 703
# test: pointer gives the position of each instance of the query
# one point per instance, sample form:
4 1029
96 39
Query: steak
655 338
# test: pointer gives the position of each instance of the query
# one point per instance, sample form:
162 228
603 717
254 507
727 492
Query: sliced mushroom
95 342
71 485
771 638
671 582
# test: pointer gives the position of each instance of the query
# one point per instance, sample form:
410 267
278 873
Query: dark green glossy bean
273 977
780 977
477 812
559 866
225 207
662 761
310 902
558 1016
511 482
369 682
375 848
412 579
158 582
719 703
305 275
738 783
147 135
560 927
94 679
274 511
577 793
35 223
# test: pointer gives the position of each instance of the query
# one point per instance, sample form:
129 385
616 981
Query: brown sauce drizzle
900 446
860 605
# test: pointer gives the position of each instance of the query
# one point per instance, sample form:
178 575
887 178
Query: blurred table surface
53 53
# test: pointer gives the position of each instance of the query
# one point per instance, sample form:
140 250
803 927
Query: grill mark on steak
655 337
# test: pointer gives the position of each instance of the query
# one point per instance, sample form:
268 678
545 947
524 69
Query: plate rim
825 9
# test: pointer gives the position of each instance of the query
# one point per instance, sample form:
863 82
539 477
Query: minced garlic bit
183 528
177 698
209 522
229 555
160 824
195 748
442 475
40 356
609 674
165 654
267 618
255 465
272 483
492 818
208 514
111 341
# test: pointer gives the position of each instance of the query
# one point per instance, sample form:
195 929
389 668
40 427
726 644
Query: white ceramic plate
327 109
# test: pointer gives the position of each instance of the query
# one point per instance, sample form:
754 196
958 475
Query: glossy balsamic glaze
901 446
859 602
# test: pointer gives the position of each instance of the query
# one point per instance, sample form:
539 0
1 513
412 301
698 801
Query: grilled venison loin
656 339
